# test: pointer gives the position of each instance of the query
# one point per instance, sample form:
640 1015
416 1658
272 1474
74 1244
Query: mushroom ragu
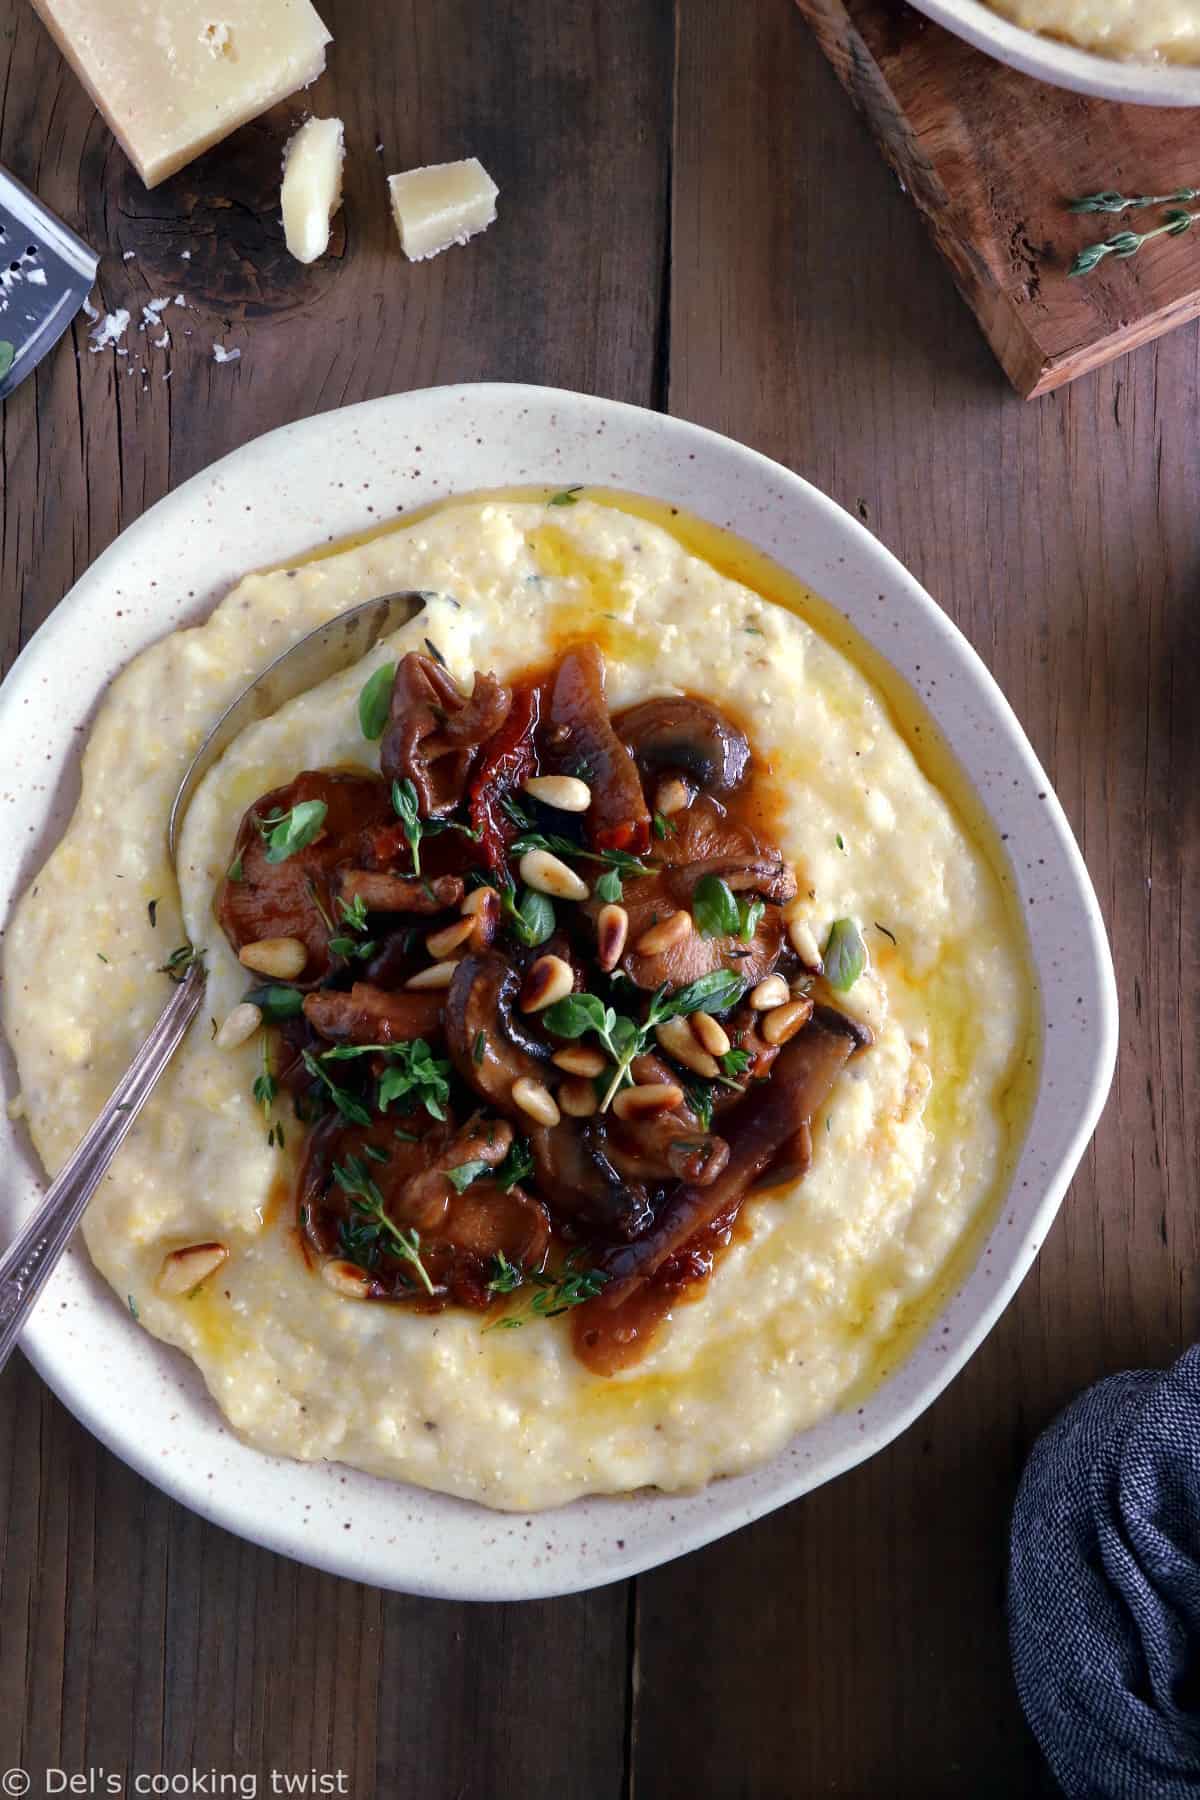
540 1010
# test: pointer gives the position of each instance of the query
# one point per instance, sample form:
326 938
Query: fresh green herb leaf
663 827
180 961
700 1099
265 1085
576 1014
608 888
352 949
715 992
734 1063
845 955
375 700
286 833
715 908
234 872
354 915
749 915
351 1109
133 1306
152 911
517 1164
461 1178
507 1277
375 1153
373 1232
840 841
567 496
414 1073
276 1002
531 918
408 811
479 1051
102 956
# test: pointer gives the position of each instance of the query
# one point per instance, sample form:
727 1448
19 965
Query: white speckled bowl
270 501
1065 65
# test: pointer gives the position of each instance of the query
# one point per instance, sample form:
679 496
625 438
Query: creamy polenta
1166 30
814 1295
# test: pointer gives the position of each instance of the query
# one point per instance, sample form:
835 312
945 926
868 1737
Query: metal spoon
29 1260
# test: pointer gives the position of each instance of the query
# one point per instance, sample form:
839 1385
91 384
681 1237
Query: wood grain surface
991 158
692 217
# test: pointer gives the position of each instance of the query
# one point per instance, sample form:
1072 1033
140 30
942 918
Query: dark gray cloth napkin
1104 1588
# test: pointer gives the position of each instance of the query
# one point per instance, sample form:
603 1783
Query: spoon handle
30 1259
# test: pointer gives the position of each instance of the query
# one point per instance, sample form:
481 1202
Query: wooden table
692 218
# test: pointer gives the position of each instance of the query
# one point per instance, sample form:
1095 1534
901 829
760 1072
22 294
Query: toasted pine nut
671 796
804 943
771 991
577 1098
548 875
240 1024
547 980
345 1278
612 928
536 1100
577 1059
783 1022
184 1270
477 901
710 1032
566 793
281 957
437 975
443 943
665 935
643 1102
675 1037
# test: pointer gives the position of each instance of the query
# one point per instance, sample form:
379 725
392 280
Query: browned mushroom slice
381 892
574 1170
491 1221
648 902
489 1045
676 734
423 1200
293 898
579 735
706 842
769 1118
665 1146
434 730
372 1015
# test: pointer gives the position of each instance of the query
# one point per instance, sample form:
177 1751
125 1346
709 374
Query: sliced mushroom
768 1119
372 1015
489 1046
648 899
680 734
574 1168
423 1200
294 898
434 730
380 892
580 735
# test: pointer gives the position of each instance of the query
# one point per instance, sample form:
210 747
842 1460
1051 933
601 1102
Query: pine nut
548 875
576 1059
612 928
566 793
710 1033
772 991
443 943
346 1279
282 957
536 1100
804 943
665 935
437 975
675 1037
240 1024
184 1270
477 901
671 796
578 1098
547 980
783 1022
643 1102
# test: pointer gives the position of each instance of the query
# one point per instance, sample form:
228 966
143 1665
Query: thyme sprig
552 1294
372 1231
1127 243
1110 202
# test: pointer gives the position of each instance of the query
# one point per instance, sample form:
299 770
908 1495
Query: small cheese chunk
173 77
444 204
312 186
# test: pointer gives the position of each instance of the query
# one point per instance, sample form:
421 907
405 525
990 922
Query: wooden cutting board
991 157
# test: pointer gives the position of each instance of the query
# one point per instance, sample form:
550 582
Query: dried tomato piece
506 760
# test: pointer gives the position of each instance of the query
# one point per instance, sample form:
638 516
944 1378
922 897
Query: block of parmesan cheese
445 204
312 186
172 77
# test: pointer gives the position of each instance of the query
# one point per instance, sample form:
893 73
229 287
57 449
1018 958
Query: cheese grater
46 273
